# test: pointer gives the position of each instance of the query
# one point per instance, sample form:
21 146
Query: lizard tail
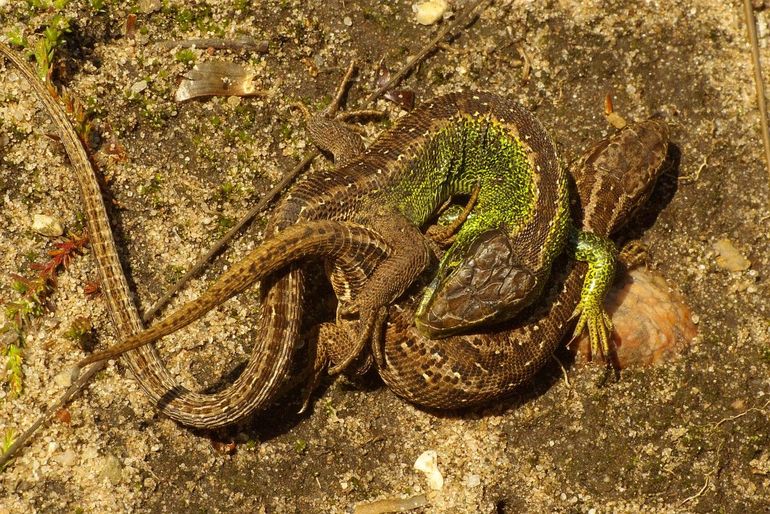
325 239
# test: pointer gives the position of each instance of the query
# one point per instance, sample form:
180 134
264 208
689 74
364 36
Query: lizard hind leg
338 348
332 347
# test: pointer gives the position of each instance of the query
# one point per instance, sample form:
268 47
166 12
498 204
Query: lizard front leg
410 256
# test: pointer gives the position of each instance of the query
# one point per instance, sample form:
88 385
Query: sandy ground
691 435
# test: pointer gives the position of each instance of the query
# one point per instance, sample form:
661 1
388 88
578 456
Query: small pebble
429 11
472 481
428 464
63 379
150 6
150 484
47 225
347 21
68 459
138 87
730 258
112 469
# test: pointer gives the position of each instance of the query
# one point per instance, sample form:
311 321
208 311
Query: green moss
9 436
47 5
81 332
185 56
152 190
16 37
322 103
375 15
225 191
224 223
184 18
173 273
152 186
187 18
14 377
286 130
300 446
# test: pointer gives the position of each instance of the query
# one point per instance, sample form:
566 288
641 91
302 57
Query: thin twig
202 261
758 82
699 493
440 35
289 177
737 416
563 371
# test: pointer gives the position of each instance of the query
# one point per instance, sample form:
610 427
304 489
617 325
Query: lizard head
487 286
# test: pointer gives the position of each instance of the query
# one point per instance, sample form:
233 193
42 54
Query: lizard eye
489 285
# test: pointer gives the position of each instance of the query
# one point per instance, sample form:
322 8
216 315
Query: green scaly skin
612 179
602 255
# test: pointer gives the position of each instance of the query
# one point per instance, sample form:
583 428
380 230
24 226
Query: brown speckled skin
393 187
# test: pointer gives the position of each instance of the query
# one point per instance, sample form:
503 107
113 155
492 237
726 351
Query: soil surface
689 435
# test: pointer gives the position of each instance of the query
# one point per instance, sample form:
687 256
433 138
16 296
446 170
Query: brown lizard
341 196
447 146
270 360
612 179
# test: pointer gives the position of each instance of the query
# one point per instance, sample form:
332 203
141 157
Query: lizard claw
599 324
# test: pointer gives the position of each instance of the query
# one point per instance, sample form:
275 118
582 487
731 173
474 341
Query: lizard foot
593 317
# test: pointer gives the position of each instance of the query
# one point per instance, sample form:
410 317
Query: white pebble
429 11
111 469
428 464
472 481
730 258
47 225
63 379
138 87
67 459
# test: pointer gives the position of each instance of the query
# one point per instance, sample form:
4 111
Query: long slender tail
324 238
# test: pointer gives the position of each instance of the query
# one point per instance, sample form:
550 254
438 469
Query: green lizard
612 179
453 145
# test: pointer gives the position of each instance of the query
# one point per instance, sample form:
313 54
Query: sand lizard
436 135
450 145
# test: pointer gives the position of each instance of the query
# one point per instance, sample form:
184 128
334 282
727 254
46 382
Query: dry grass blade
758 81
